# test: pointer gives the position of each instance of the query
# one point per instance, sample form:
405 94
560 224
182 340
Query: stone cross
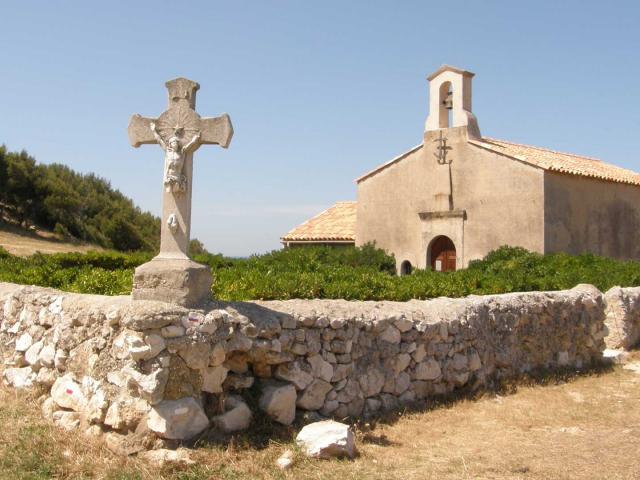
171 276
179 131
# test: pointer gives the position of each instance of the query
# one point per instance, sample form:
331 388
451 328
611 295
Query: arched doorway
406 268
442 254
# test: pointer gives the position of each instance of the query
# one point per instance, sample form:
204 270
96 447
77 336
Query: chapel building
458 195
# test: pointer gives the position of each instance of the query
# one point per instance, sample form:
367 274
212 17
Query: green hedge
364 273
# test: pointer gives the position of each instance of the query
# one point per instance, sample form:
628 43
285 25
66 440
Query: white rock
429 370
212 378
152 345
285 461
23 342
68 394
615 356
150 387
32 354
56 306
326 439
96 407
279 402
15 328
60 360
178 419
162 457
66 420
47 355
236 417
126 412
19 377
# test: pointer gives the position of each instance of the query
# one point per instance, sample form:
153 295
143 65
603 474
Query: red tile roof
560 162
337 223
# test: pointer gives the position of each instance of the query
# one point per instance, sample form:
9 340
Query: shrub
364 273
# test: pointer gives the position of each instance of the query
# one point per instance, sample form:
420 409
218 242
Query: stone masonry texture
623 317
141 373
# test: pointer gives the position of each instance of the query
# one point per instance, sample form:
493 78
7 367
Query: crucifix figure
179 131
174 156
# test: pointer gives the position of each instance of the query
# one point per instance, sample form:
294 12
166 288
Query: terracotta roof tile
560 162
337 223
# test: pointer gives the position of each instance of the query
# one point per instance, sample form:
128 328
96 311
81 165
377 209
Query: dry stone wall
623 317
141 373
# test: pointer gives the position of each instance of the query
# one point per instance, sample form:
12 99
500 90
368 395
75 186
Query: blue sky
319 92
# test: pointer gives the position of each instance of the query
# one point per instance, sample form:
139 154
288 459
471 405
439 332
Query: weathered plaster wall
588 215
503 200
623 317
139 372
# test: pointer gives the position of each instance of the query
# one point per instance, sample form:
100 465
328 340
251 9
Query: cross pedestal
172 276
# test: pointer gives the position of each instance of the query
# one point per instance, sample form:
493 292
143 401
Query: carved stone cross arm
213 131
180 131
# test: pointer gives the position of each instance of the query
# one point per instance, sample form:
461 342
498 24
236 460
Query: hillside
77 206
23 243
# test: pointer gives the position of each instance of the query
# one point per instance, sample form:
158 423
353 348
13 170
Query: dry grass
586 428
22 243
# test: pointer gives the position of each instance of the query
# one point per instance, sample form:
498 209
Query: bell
448 101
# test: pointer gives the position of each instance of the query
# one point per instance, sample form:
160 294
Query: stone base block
176 281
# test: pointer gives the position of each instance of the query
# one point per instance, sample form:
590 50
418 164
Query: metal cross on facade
443 149
179 131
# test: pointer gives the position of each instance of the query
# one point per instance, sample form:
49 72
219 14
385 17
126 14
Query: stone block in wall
623 317
178 419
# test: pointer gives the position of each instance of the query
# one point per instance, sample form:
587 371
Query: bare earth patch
583 429
25 244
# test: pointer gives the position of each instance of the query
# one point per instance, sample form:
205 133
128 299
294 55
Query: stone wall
623 317
139 372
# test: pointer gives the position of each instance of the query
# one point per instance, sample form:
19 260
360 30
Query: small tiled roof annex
560 162
337 223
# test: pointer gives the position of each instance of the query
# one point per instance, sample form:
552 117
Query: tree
84 206
196 247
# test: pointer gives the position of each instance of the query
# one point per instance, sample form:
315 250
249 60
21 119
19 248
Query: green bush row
364 273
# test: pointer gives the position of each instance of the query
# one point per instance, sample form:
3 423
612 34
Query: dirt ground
585 427
27 243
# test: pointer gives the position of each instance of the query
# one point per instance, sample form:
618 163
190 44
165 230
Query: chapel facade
458 195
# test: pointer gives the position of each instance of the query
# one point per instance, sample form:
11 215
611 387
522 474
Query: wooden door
443 255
